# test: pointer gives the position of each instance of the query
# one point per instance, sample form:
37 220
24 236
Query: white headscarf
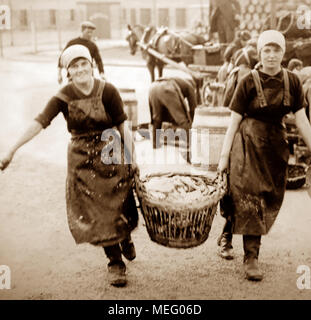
271 36
73 52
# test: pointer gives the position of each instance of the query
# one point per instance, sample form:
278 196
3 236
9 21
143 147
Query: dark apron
101 208
258 175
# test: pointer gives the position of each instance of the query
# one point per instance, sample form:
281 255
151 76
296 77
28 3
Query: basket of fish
179 208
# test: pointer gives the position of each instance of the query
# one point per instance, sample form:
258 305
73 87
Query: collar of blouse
266 77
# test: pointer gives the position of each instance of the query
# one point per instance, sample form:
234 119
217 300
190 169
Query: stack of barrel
253 14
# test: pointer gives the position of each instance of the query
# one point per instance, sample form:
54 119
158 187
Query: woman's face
80 71
271 56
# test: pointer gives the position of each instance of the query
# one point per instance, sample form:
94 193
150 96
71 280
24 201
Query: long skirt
257 177
101 208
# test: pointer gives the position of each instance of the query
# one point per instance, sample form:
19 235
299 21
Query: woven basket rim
210 200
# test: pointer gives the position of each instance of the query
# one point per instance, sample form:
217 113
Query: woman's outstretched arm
33 129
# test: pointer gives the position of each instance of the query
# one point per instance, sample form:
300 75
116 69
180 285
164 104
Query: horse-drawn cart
185 51
205 67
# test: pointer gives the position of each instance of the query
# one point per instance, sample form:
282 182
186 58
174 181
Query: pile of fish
178 188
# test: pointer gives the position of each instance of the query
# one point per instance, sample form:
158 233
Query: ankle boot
251 269
117 273
251 252
128 248
225 249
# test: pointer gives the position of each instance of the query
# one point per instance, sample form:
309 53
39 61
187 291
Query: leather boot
251 251
225 249
128 248
117 273
116 267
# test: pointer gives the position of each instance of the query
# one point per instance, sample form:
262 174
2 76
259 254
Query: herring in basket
179 208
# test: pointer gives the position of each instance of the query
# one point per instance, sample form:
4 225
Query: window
180 17
52 17
145 17
133 17
23 18
163 17
124 15
72 15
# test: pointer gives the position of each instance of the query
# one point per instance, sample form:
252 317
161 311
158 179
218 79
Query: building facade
111 17
52 20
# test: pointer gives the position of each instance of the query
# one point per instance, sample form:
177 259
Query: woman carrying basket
255 150
101 208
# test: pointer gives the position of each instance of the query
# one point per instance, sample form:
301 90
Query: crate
205 56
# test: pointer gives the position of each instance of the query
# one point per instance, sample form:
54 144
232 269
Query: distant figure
240 41
85 39
223 19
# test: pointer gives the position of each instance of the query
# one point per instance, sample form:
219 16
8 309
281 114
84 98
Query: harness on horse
152 40
155 39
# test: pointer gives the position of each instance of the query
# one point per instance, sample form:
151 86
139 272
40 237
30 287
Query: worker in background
85 39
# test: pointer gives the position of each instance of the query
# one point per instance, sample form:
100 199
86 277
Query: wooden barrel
128 96
207 135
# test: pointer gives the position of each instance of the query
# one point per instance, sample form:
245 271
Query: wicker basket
174 224
296 181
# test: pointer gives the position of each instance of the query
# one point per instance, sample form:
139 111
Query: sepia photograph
155 150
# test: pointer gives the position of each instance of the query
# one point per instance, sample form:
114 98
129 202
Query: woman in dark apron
255 150
101 208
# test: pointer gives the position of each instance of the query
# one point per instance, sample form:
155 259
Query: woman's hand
135 168
5 161
223 164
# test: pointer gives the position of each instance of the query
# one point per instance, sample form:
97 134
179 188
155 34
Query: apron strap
101 88
260 94
286 88
262 99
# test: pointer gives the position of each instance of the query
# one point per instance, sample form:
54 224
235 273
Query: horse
175 46
133 37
